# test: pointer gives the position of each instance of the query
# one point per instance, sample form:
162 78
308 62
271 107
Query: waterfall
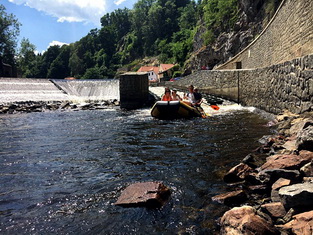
106 89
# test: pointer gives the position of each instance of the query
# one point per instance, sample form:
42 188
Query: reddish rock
288 162
302 224
237 173
274 209
231 198
276 186
146 194
244 220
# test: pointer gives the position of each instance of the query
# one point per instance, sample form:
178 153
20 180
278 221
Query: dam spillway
35 90
20 90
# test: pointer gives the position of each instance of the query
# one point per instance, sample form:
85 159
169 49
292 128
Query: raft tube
167 110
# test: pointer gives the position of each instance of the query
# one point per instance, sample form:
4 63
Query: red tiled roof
165 67
149 69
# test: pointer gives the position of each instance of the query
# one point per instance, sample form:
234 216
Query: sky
57 22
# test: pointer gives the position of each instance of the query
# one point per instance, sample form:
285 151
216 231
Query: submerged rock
231 198
145 194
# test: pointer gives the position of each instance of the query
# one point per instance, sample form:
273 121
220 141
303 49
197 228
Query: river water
61 172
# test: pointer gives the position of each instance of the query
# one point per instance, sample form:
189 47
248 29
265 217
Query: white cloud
70 10
119 2
57 43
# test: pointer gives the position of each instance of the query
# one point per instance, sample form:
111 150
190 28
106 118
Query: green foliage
25 58
93 73
177 74
9 30
158 28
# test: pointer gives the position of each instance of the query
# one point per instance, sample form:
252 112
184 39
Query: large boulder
244 220
288 162
145 194
297 195
237 173
302 224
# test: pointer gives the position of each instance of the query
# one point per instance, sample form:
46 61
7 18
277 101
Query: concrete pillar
134 90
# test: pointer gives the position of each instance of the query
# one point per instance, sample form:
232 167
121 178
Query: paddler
167 95
193 99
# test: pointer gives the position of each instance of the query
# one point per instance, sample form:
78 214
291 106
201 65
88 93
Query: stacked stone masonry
288 85
289 35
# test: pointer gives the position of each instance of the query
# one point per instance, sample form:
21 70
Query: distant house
153 73
156 74
166 71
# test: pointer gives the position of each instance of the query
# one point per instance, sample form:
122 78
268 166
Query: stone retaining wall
289 35
288 85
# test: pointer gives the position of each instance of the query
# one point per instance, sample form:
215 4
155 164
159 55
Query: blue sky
50 22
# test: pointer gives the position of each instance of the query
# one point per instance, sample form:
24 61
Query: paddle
213 106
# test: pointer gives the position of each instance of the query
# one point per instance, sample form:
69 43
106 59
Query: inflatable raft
173 110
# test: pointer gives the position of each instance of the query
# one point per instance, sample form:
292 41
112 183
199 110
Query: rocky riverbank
44 106
273 195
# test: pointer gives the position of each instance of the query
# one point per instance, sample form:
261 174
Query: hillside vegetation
173 31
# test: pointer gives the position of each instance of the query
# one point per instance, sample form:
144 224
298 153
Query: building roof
149 69
165 67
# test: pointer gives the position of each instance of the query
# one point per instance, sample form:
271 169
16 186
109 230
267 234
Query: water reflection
62 172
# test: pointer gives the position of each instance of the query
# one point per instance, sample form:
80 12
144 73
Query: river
61 172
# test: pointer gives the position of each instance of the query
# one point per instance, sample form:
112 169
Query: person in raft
192 97
198 96
167 95
175 96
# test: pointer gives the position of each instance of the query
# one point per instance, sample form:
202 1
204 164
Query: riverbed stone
274 209
276 186
305 138
244 220
301 224
269 176
237 173
297 195
144 194
231 198
288 161
307 169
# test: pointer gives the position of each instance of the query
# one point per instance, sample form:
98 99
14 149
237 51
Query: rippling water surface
61 172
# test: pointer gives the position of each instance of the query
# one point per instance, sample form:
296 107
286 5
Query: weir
107 89
24 89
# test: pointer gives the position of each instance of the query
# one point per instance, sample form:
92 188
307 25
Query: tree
9 30
59 68
93 73
26 57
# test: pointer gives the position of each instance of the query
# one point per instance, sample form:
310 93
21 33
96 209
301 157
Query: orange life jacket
164 98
